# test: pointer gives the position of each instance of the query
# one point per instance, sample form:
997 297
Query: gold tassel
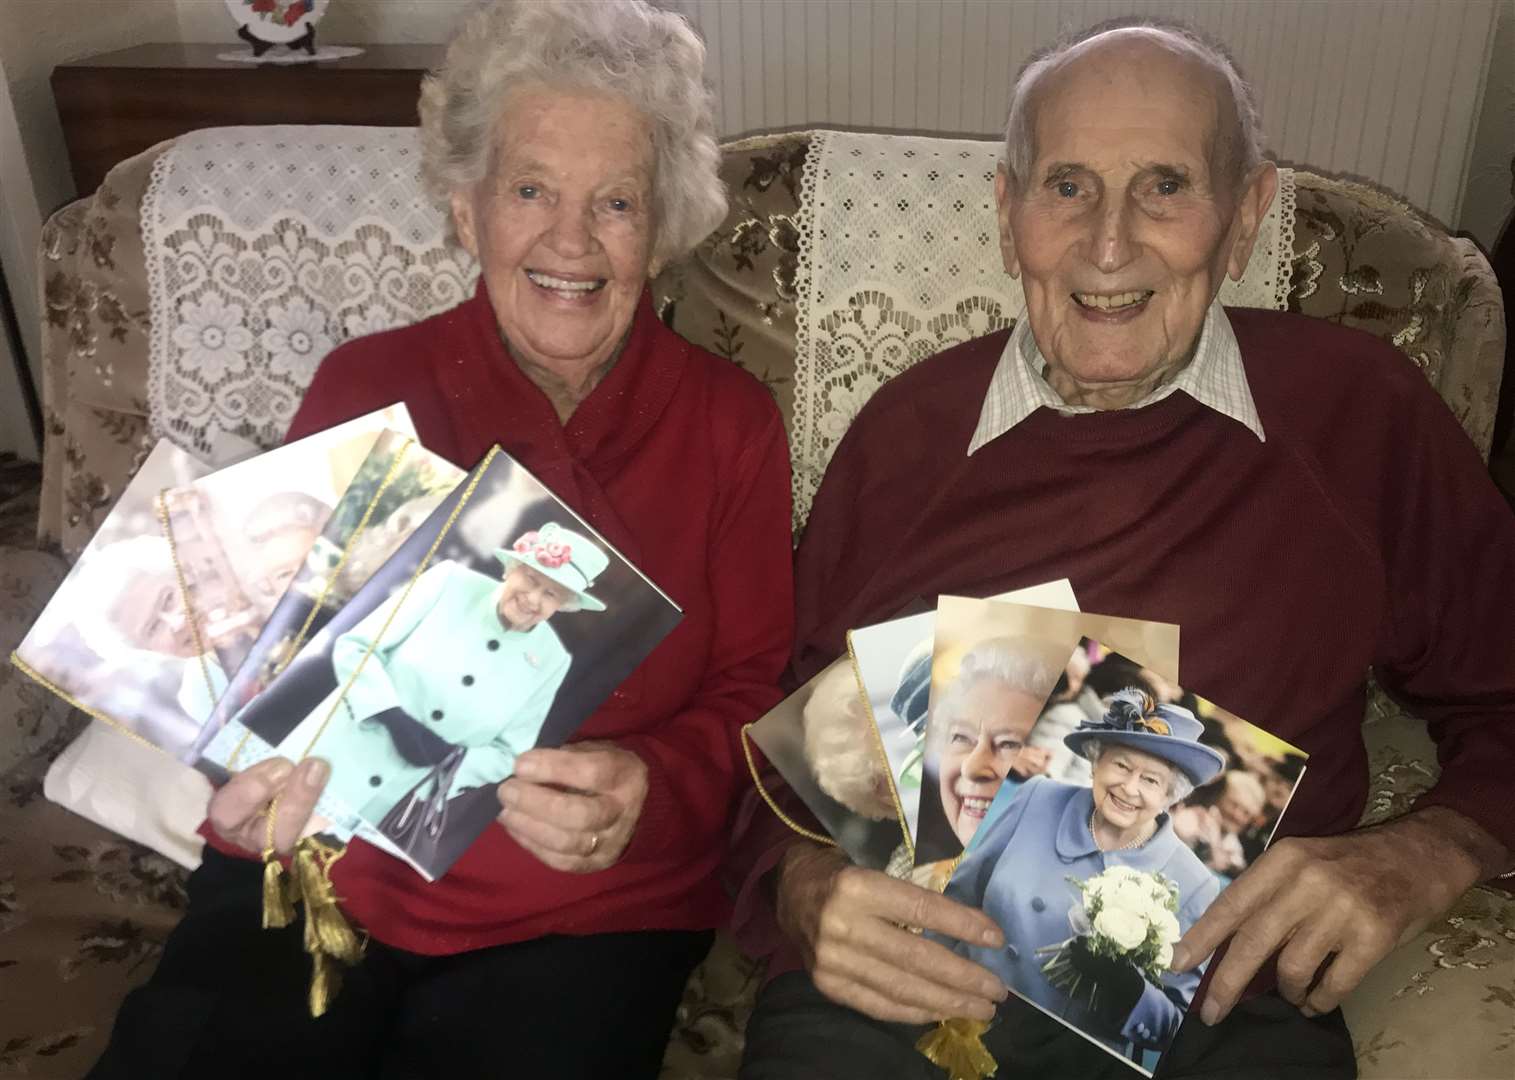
325 981
957 1045
278 894
329 940
278 910
326 930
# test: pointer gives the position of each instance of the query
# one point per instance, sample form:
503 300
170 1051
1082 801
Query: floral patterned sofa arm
94 355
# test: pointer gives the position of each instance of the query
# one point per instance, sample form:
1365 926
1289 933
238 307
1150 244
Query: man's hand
1342 902
850 923
239 809
575 808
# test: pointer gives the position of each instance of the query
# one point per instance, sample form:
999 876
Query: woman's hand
851 924
575 808
239 809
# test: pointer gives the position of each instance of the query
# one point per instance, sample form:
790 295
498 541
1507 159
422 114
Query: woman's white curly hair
841 746
649 58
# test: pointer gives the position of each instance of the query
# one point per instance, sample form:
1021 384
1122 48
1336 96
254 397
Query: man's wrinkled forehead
1181 91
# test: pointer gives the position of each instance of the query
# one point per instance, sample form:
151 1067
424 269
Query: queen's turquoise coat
1017 871
448 661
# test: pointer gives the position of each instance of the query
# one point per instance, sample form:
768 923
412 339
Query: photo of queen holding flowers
1092 886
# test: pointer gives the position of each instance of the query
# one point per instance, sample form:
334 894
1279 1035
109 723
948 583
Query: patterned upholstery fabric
83 913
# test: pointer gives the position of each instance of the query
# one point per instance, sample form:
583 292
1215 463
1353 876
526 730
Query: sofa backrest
282 242
1358 257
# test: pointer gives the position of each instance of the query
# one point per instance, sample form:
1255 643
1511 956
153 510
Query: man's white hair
651 59
1243 149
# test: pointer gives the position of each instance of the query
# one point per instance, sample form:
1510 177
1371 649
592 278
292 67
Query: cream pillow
133 789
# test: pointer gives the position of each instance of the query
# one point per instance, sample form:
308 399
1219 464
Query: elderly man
1291 493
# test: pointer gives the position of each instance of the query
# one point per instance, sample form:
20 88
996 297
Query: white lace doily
268 246
899 259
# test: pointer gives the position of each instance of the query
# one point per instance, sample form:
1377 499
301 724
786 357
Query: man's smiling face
1126 223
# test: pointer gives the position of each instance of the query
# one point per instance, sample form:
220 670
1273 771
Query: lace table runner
900 259
268 246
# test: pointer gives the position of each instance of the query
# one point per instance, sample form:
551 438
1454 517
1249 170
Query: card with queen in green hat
500 624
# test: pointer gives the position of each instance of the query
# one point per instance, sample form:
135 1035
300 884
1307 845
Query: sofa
83 912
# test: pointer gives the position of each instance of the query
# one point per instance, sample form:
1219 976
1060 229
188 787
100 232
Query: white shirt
1215 378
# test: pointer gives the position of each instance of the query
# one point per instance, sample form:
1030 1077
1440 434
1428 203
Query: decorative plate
277 22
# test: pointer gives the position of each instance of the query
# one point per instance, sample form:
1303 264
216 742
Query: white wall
1490 196
1385 89
35 36
19 222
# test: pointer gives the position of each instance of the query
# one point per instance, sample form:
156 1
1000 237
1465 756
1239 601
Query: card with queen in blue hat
500 624
1095 862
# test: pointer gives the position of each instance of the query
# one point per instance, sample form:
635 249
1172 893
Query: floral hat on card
1170 732
568 558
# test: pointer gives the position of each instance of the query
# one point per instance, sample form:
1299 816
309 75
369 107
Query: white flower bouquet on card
1124 924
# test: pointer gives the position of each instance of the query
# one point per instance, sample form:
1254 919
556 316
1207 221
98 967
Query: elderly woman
1145 758
573 144
978 737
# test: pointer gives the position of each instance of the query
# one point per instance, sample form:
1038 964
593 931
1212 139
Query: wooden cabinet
120 103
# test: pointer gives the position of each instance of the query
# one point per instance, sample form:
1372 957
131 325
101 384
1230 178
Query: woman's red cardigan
680 459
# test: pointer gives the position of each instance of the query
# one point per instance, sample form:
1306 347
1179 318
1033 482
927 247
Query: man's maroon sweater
1363 535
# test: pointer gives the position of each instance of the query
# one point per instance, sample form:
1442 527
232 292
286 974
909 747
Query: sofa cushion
83 917
30 716
1455 976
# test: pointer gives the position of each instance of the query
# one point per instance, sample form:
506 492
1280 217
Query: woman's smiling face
528 598
1130 788
981 745
563 223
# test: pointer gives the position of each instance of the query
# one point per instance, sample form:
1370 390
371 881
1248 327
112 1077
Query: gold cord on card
957 1043
330 941
878 744
767 798
331 579
329 583
47 684
473 482
189 609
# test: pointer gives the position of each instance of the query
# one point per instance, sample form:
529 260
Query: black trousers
228 1000
797 1033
